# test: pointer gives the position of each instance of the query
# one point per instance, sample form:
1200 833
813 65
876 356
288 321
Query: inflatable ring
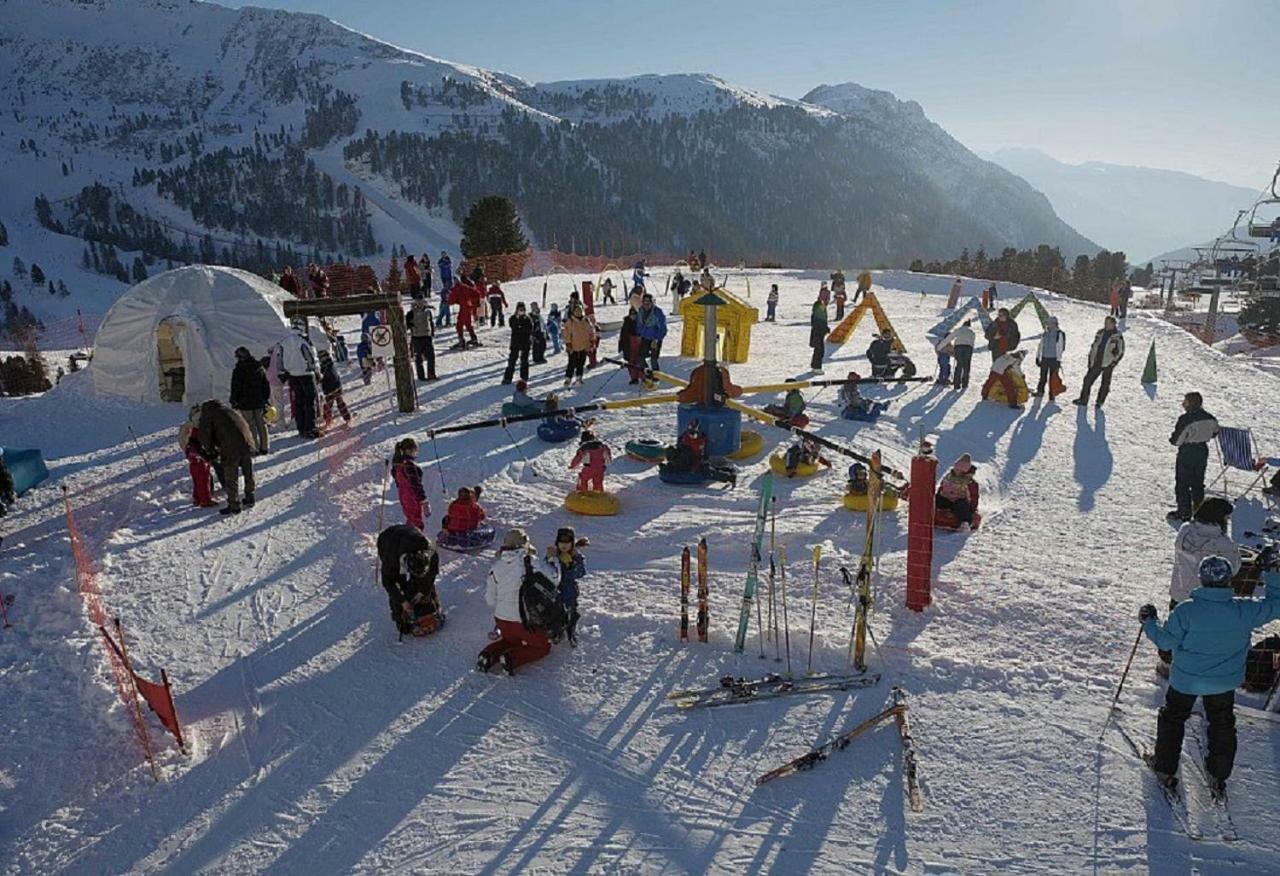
858 501
646 450
271 414
861 414
467 542
592 504
996 393
749 444
558 431
803 470
668 475
511 409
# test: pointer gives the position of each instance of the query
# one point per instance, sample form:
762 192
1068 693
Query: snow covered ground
320 744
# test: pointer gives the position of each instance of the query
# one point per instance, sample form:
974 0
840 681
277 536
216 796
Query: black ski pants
520 352
1104 386
425 348
1188 476
577 361
304 400
960 376
819 350
1219 708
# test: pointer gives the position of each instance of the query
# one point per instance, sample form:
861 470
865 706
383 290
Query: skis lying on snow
1172 796
1217 797
732 691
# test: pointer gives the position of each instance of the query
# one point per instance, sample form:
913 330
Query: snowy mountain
166 131
1141 211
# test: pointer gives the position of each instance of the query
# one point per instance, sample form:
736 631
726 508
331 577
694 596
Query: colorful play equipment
955 317
511 409
778 463
996 391
869 303
467 542
559 430
25 466
732 319
592 503
749 444
645 450
1030 298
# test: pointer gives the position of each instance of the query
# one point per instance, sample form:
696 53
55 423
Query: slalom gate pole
786 624
516 445
137 709
444 491
813 612
1120 687
382 503
141 452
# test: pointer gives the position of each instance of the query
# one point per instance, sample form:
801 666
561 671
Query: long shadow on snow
977 434
1027 438
1091 455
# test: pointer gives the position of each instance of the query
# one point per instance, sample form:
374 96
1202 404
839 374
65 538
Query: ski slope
321 745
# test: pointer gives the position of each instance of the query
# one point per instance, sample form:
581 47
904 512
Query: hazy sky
1180 84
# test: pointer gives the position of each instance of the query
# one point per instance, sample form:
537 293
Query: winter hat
514 539
1215 572
522 385
243 353
566 533
193 415
1215 511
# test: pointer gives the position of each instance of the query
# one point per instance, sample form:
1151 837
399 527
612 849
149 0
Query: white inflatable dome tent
173 336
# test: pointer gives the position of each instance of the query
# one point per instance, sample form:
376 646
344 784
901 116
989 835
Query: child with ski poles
408 477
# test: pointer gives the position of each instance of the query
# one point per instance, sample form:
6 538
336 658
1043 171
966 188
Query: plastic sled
511 409
592 504
645 450
749 444
996 392
804 470
26 467
858 502
467 542
558 431
427 623
943 519
669 475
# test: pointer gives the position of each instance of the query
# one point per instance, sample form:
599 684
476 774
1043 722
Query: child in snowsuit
596 455
538 336
408 476
465 513
331 386
197 465
804 452
958 492
792 406
573 568
553 328
858 481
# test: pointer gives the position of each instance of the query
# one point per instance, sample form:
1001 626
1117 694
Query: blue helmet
1215 572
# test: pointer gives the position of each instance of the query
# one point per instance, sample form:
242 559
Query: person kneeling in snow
413 496
409 567
1209 635
564 554
525 603
958 492
464 513
596 455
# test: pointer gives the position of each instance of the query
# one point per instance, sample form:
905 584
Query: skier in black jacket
250 395
410 565
1191 435
521 343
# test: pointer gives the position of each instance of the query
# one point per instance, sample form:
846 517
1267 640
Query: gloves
1147 612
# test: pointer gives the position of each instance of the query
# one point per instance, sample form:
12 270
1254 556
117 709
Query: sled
996 391
558 431
943 519
592 503
467 542
694 477
645 450
858 501
778 463
749 444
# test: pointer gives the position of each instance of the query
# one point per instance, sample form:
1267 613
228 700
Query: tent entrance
172 368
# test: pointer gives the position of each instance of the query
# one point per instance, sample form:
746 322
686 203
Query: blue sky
1180 84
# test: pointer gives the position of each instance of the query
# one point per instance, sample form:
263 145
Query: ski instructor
410 565
1209 637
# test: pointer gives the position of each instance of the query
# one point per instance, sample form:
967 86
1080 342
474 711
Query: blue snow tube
25 466
467 542
697 477
559 430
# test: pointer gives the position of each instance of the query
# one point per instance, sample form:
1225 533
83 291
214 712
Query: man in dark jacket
818 333
1104 355
1003 334
227 442
878 354
409 566
521 344
250 395
422 332
1191 435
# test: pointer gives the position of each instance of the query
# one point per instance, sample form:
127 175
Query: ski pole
141 452
1124 675
435 451
786 624
382 503
773 608
759 622
813 613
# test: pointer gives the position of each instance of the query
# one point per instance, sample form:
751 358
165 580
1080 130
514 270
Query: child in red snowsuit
465 513
467 299
596 455
413 498
198 466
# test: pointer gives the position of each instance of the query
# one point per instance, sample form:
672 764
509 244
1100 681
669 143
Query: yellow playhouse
733 327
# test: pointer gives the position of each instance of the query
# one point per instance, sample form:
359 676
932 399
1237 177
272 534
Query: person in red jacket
464 514
467 299
412 278
595 453
289 282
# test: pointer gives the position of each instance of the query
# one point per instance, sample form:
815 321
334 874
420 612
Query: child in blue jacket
573 568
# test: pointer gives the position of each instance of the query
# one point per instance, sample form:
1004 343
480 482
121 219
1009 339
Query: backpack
540 607
1259 666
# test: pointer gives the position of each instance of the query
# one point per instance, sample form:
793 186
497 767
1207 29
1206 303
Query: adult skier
651 326
227 442
250 396
521 342
1105 354
410 565
1191 435
467 299
298 360
1209 635
818 332
1049 357
422 334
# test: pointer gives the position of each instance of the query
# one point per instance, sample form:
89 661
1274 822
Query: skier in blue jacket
1209 637
651 326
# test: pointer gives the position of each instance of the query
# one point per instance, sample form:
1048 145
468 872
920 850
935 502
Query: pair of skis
734 691
704 592
753 572
862 584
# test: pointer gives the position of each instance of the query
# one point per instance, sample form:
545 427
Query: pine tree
1262 315
4 235
139 270
492 227
37 275
19 269
393 281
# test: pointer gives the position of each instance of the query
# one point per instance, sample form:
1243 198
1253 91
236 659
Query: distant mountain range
167 131
1140 211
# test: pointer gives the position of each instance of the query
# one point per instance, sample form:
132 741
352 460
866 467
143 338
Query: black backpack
540 607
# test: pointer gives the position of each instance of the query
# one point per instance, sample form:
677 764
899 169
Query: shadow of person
1027 438
1091 455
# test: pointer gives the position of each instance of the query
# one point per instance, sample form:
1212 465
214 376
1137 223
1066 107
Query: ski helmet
417 562
1215 572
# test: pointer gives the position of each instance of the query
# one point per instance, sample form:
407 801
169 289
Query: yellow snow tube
858 501
803 470
592 504
749 444
996 393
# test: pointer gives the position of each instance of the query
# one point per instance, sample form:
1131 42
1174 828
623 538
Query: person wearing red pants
517 644
596 456
198 466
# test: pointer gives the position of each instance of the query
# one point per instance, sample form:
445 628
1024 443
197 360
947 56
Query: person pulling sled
410 565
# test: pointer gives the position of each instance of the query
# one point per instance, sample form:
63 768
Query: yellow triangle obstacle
845 329
1030 298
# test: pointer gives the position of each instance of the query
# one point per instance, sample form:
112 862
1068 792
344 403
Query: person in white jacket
298 360
1205 535
1049 356
961 341
516 645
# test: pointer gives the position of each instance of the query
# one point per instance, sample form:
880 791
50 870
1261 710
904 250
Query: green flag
1149 370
